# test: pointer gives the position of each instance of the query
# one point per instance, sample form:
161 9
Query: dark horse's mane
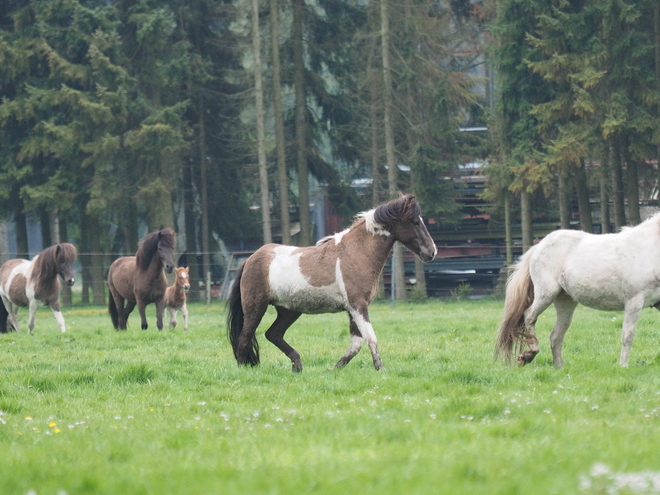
149 247
402 209
48 262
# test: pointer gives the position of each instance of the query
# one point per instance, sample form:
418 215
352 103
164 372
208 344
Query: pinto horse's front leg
57 313
32 308
361 318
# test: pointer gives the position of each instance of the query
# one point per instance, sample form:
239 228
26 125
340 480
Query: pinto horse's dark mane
402 209
149 247
48 262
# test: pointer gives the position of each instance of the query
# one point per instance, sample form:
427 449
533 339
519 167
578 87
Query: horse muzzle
71 281
186 287
169 268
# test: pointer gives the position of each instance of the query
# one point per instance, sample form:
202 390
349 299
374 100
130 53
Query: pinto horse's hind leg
275 334
565 307
354 348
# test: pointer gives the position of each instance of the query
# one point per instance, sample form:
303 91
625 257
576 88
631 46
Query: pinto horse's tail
112 309
519 297
4 316
235 317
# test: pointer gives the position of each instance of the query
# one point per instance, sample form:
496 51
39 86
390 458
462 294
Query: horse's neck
375 248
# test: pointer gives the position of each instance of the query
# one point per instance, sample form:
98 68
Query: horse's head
402 218
166 243
65 255
183 277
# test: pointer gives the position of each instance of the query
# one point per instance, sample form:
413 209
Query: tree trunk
66 294
604 199
526 220
656 43
564 205
301 124
96 256
44 221
4 242
261 127
191 232
22 247
398 276
508 234
617 187
584 207
282 175
632 186
203 191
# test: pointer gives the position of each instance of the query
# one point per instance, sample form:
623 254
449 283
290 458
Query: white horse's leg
631 314
542 299
361 319
565 307
184 312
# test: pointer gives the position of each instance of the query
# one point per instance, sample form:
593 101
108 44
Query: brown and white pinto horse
30 284
340 273
175 296
140 279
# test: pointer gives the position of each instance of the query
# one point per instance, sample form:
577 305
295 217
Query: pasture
145 412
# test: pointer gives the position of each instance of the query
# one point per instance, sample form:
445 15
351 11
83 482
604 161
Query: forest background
220 118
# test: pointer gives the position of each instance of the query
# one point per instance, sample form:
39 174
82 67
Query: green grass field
147 412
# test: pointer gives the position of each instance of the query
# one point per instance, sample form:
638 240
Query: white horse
609 272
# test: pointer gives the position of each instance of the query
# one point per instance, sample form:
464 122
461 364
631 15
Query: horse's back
600 271
120 276
14 276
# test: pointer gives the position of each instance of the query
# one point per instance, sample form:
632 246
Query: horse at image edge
608 272
30 284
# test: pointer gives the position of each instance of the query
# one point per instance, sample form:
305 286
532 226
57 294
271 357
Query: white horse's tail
519 297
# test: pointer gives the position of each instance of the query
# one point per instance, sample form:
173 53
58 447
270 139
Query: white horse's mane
653 219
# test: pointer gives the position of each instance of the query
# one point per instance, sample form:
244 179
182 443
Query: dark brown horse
140 279
340 273
175 296
30 284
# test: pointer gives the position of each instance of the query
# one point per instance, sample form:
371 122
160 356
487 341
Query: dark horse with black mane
29 284
340 273
140 279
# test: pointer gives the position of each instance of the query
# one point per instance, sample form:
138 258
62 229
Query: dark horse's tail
4 315
235 323
519 297
112 309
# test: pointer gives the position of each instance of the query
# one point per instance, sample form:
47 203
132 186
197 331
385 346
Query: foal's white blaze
292 290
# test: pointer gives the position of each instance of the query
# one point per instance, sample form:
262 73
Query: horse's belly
312 300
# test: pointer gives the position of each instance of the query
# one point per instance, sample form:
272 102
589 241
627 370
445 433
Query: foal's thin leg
184 312
631 315
361 318
565 307
172 312
354 348
275 334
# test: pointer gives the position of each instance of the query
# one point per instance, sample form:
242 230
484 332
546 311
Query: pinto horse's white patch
292 290
371 225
